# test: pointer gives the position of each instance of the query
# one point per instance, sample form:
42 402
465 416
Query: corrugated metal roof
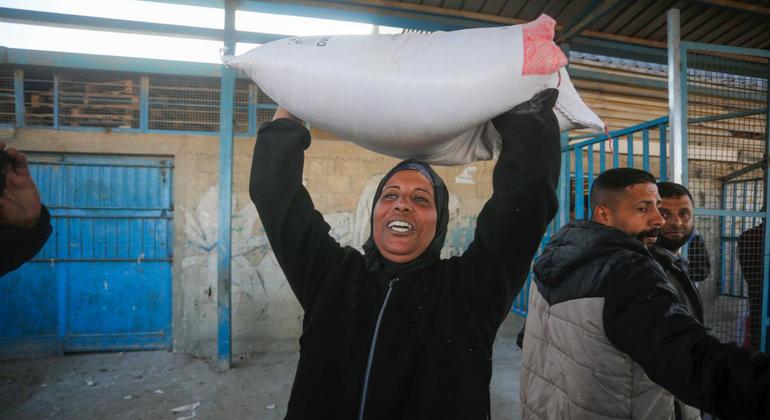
744 23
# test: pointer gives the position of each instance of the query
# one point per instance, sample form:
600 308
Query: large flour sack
425 96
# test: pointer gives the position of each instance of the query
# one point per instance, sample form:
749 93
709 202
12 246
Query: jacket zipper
372 347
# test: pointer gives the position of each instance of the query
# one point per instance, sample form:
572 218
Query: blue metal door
103 280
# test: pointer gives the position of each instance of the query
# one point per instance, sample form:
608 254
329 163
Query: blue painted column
144 103
663 152
56 89
18 91
224 245
563 188
677 101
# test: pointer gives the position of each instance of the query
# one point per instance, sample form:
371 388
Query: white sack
425 96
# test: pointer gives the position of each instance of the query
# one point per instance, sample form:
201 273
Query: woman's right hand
282 113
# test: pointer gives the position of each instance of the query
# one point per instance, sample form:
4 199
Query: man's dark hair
673 190
616 180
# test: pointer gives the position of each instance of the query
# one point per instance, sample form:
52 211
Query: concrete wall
341 178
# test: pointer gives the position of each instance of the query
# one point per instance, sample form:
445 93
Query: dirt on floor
165 385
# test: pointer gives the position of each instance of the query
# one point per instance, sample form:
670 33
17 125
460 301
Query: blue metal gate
103 280
584 157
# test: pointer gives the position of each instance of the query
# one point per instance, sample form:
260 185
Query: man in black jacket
677 209
25 223
398 333
606 334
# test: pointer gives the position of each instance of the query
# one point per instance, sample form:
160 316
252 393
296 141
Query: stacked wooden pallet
104 103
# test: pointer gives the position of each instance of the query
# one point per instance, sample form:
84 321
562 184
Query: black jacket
644 319
18 245
677 268
432 357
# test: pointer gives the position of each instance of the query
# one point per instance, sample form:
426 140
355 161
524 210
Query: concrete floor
149 384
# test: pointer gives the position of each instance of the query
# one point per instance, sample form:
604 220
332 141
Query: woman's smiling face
404 220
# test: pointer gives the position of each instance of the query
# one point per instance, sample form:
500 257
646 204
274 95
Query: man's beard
652 233
673 245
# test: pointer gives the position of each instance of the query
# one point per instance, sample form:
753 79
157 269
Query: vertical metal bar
630 151
563 187
602 156
766 242
579 183
755 195
676 115
663 160
683 147
744 204
144 103
253 98
734 196
56 87
722 233
224 246
18 92
646 150
615 152
590 161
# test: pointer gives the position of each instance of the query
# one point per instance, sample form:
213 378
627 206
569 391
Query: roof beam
592 12
32 17
624 39
737 5
384 13
425 13
18 57
432 10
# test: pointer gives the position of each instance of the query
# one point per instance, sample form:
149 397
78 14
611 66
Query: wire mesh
99 99
727 133
184 103
39 97
7 97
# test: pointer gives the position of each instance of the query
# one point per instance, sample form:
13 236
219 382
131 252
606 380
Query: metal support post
766 239
144 103
224 246
676 117
563 187
56 89
18 94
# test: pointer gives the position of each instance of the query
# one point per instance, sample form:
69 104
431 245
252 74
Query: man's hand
282 113
20 203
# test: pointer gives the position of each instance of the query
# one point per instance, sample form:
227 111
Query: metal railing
586 156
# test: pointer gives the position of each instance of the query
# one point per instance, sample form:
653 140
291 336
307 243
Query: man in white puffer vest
607 336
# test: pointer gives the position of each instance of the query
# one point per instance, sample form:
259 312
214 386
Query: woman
398 333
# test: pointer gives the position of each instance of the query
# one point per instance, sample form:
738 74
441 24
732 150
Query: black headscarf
374 260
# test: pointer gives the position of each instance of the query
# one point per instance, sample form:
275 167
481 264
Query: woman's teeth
399 226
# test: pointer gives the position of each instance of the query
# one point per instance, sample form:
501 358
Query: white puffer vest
570 370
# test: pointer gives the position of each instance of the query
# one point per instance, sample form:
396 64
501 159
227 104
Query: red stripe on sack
541 54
